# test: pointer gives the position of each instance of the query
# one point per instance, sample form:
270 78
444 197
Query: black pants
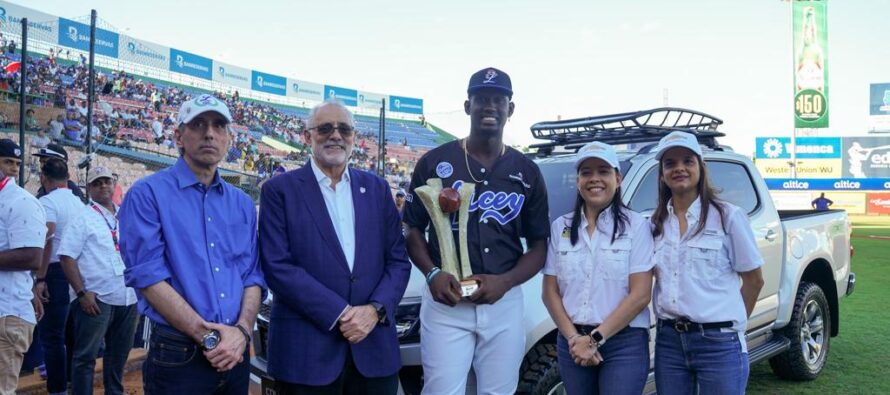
350 382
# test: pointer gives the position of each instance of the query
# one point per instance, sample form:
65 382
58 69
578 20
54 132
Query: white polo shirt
88 241
22 225
340 209
61 206
697 277
594 274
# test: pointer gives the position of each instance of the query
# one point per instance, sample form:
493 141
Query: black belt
585 330
684 325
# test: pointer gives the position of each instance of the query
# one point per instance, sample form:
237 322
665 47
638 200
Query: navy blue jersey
509 203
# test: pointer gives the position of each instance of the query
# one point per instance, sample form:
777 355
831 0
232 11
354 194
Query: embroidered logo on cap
490 76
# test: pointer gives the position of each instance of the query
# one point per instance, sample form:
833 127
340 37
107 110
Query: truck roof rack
631 127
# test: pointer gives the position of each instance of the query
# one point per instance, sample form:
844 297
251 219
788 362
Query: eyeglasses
326 129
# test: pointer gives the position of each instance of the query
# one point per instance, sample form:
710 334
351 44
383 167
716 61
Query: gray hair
329 102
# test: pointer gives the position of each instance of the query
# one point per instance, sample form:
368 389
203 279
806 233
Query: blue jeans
702 361
176 365
51 329
624 368
115 324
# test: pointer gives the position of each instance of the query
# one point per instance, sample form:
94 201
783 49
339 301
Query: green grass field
859 357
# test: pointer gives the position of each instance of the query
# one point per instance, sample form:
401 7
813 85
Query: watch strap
381 312
243 331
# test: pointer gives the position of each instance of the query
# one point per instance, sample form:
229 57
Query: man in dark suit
334 256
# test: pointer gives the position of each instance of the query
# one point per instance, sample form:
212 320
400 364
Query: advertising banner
144 52
39 24
879 99
806 168
76 35
810 64
791 200
349 97
828 184
806 148
268 83
305 90
878 203
853 202
371 100
408 105
866 157
191 64
225 73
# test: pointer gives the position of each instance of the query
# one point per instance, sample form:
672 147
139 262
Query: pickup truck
807 253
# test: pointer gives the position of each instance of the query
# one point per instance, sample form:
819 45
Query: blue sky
731 59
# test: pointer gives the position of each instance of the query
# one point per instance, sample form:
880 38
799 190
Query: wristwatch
81 293
597 338
381 313
210 340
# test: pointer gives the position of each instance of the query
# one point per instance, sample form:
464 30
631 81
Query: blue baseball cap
490 78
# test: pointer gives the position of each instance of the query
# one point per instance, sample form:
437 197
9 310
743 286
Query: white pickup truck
807 253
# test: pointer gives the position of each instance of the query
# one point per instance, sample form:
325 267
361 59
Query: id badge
117 264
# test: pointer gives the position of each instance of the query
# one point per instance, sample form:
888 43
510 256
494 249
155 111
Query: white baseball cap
201 104
599 150
100 172
678 139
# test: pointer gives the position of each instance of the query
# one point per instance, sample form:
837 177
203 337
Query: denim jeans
51 329
624 368
115 324
176 365
702 361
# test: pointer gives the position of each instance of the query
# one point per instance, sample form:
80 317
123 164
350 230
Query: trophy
439 203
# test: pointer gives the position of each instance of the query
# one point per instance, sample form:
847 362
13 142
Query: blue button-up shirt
202 240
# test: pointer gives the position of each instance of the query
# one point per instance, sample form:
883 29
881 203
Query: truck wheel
810 335
539 373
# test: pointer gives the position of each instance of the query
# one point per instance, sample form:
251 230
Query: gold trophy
439 203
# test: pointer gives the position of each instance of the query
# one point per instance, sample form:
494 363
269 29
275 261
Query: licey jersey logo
490 75
206 100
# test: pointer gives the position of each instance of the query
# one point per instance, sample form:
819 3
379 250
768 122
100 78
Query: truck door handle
771 235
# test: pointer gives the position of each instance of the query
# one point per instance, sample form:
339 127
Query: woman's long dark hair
707 196
616 206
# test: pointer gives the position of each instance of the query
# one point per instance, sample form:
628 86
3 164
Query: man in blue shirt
188 240
821 203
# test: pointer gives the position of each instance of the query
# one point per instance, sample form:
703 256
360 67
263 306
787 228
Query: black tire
796 363
539 373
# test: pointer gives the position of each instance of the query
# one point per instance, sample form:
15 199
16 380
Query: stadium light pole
91 92
23 73
381 139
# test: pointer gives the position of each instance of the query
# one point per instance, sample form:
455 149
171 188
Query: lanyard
3 183
113 230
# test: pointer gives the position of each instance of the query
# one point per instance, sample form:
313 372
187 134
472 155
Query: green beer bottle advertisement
810 64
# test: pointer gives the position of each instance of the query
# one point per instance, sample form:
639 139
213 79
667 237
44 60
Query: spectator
821 203
31 123
118 196
158 129
72 127
249 166
39 141
21 246
61 206
56 126
106 308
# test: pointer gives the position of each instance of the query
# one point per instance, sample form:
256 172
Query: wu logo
72 33
222 72
131 47
180 61
259 81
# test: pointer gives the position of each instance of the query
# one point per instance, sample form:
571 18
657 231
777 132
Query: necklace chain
463 143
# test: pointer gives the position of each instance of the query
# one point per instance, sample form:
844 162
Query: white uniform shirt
593 275
340 209
61 206
697 277
88 241
22 225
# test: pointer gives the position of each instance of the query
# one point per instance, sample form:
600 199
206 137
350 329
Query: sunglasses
326 129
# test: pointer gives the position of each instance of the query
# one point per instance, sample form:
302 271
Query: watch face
211 340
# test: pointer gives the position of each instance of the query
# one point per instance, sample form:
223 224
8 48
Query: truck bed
795 214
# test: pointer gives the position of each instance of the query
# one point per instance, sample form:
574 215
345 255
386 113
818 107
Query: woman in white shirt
707 269
598 282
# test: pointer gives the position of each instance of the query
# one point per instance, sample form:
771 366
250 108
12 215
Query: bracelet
575 336
432 274
39 280
244 331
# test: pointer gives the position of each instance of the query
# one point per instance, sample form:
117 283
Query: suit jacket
307 272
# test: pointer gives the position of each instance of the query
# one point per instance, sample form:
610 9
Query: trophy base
467 287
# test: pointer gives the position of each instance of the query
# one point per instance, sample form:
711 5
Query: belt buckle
681 325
